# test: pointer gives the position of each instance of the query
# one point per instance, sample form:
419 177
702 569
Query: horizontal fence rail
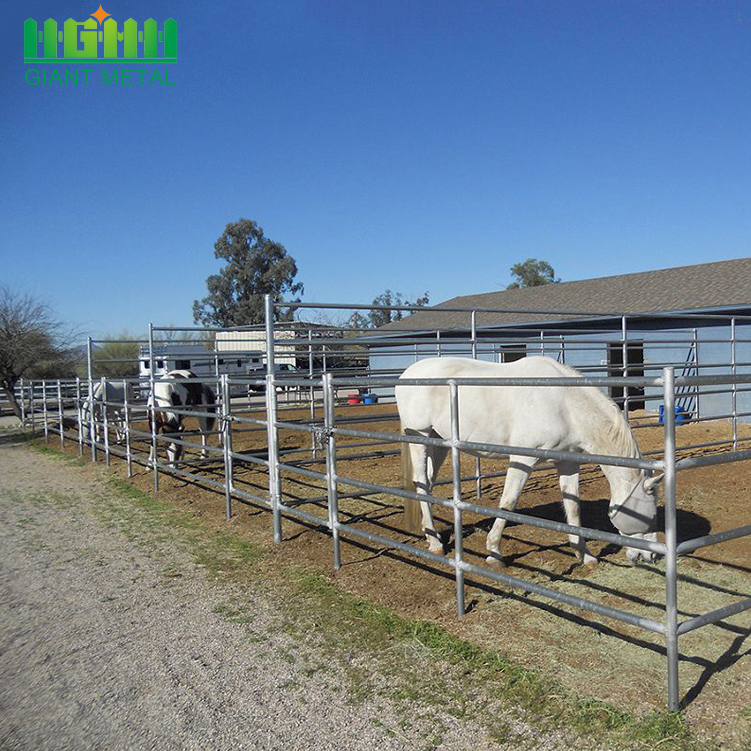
314 400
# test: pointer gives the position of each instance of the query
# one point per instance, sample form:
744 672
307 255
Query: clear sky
420 145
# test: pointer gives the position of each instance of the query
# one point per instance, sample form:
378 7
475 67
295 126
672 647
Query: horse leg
568 479
435 458
516 476
97 418
174 451
119 424
203 427
423 485
151 452
178 448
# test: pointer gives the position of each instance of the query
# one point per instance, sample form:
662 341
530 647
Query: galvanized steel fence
68 409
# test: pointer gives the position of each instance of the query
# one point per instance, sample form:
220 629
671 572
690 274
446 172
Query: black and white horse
179 391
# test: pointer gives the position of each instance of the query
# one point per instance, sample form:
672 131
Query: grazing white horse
561 418
114 395
180 391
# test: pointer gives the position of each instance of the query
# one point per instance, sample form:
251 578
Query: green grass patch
354 621
54 453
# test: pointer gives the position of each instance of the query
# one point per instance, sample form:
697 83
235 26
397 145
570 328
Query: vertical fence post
227 445
23 404
105 421
329 400
44 412
219 391
671 536
151 407
733 370
624 338
312 391
456 471
60 415
79 416
271 417
90 374
478 465
695 342
126 429
32 408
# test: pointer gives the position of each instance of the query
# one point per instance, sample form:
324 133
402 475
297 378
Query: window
146 364
513 352
239 363
160 363
182 364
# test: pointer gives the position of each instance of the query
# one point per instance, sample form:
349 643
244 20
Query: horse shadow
594 515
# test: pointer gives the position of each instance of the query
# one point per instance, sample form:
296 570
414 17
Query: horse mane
615 429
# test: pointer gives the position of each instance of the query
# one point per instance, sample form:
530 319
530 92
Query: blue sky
405 145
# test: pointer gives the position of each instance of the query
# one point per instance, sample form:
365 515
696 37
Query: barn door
635 354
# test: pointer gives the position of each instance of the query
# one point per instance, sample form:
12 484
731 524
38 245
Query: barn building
695 318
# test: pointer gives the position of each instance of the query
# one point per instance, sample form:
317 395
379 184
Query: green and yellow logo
97 40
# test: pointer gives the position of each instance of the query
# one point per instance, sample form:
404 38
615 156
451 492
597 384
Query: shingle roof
686 288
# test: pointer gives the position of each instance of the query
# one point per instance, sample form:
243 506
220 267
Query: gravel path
109 644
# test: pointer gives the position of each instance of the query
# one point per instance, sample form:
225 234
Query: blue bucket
681 415
370 398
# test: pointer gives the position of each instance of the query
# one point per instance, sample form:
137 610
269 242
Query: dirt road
112 636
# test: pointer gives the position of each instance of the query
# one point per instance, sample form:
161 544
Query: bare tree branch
33 342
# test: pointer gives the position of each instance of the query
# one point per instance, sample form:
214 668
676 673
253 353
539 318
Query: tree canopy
32 343
117 357
532 273
380 317
254 266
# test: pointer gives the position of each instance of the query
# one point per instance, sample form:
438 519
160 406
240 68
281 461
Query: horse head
635 515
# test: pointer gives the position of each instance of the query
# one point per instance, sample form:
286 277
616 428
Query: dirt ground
592 656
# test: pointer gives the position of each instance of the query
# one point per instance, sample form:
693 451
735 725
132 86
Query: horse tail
411 508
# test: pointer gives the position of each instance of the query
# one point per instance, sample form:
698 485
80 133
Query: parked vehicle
199 360
283 368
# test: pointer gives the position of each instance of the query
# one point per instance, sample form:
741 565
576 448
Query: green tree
116 357
532 273
33 343
358 321
255 266
380 317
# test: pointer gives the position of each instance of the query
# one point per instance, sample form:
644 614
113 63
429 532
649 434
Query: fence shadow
14 437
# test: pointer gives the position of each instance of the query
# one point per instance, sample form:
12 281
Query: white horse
114 395
571 418
180 391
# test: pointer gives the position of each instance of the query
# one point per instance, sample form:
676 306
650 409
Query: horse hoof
589 561
495 562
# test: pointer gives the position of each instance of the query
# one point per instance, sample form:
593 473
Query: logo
97 40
